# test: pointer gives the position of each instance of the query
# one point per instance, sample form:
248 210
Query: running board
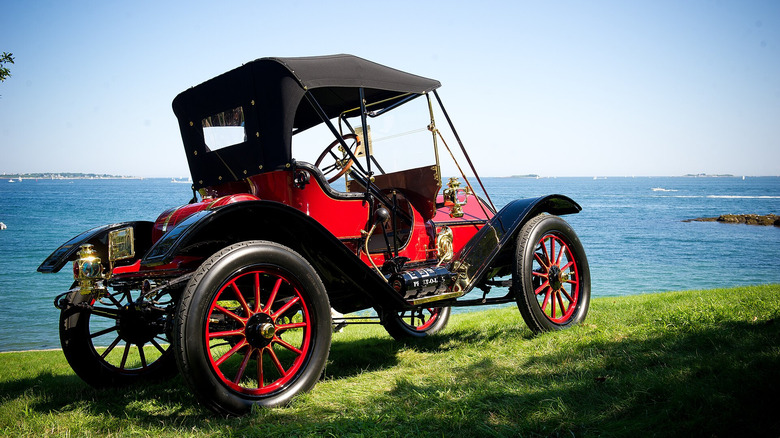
431 298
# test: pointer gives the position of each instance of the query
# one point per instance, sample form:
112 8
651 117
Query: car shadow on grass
709 379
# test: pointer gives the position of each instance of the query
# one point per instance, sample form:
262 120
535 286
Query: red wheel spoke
114 301
562 308
282 327
285 308
260 368
568 265
230 314
103 332
286 345
540 274
546 262
552 302
241 298
543 263
240 372
124 356
552 251
276 362
141 354
237 332
157 346
231 352
539 290
257 292
106 312
546 299
560 256
110 347
568 297
272 298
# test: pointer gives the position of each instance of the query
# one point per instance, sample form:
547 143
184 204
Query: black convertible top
270 94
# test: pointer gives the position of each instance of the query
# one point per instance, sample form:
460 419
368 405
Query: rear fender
98 236
493 245
351 284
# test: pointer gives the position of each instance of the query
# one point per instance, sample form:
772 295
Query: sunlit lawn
701 363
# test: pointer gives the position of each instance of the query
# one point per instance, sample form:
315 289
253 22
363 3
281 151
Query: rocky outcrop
749 219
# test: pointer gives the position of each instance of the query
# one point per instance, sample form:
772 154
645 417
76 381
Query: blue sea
631 228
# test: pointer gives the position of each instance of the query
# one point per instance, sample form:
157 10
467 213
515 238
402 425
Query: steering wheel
340 165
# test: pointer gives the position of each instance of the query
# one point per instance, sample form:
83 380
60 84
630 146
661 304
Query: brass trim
432 298
444 249
121 243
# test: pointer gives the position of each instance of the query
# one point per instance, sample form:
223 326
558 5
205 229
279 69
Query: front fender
351 284
98 237
493 245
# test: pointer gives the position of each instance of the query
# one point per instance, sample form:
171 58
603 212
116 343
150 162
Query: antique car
239 289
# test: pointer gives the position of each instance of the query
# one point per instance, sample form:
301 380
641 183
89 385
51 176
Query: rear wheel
551 275
417 323
253 327
115 340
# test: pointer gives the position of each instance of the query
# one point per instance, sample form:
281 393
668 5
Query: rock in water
749 219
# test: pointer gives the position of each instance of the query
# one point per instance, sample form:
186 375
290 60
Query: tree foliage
7 58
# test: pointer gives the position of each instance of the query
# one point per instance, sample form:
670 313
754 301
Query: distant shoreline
15 177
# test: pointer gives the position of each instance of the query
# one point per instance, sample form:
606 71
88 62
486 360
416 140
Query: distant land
61 175
706 175
530 175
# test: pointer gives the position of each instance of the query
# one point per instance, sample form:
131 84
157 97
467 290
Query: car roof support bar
326 120
463 148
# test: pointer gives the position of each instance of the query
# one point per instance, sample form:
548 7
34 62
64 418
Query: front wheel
117 340
416 323
253 328
551 275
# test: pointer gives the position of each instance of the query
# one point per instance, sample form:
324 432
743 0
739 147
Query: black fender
351 284
98 236
492 247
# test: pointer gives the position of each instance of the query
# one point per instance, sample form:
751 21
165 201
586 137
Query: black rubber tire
195 317
529 275
86 361
396 325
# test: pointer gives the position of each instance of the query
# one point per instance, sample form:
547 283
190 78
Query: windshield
398 140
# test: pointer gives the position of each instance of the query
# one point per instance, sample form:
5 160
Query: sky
555 88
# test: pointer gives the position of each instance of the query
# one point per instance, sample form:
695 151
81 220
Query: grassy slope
700 363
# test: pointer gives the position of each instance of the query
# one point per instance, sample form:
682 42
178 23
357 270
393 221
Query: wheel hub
260 330
555 277
138 326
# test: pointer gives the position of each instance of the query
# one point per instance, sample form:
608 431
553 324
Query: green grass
694 363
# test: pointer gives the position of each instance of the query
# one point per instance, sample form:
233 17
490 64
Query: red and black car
239 289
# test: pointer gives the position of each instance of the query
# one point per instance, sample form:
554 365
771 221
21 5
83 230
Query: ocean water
631 228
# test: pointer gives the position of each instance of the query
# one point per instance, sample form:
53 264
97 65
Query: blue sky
556 88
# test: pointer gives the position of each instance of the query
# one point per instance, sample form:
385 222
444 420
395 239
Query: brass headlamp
87 269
